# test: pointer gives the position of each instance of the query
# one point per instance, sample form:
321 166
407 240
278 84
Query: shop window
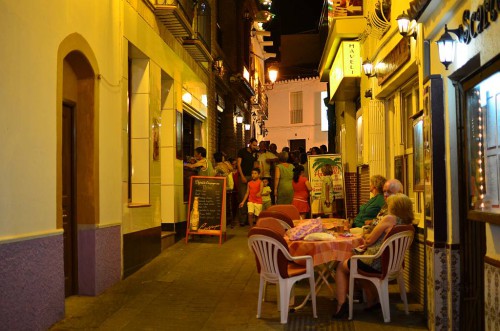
191 135
483 144
359 138
139 133
296 107
409 106
408 110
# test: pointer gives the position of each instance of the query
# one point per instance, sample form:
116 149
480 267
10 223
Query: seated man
391 187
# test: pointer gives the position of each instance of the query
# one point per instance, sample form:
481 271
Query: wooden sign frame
202 186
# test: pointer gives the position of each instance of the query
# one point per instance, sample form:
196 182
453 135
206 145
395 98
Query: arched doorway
78 172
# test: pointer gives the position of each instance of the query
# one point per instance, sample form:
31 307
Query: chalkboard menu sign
207 205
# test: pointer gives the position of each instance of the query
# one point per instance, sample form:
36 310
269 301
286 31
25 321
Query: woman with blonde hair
400 211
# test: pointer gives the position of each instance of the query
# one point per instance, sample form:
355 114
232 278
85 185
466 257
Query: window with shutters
295 107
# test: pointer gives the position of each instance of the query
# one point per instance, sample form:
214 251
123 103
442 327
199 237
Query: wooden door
296 143
68 183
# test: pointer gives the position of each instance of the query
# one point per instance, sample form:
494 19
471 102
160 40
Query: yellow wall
167 55
487 44
32 97
29 102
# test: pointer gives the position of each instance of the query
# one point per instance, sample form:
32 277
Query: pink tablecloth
338 249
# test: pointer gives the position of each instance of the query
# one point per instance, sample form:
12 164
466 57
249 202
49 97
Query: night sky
293 16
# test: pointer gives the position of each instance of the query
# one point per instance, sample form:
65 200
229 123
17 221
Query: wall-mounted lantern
407 26
446 45
368 68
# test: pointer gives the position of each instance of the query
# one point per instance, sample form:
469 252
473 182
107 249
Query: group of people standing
266 177
259 177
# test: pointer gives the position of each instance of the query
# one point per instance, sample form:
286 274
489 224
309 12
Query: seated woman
369 210
400 211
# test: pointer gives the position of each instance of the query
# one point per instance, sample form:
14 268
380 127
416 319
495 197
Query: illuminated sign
347 63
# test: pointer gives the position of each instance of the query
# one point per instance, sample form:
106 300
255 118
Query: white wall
278 125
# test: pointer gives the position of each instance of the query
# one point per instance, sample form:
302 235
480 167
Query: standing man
262 149
273 149
266 160
247 157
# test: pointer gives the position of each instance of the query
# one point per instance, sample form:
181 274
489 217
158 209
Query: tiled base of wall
99 259
453 261
443 287
31 283
492 294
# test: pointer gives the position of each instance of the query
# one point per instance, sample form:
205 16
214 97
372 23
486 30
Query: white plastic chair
392 253
277 226
276 265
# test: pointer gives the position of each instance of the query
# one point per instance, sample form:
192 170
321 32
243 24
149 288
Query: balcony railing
188 22
176 15
260 101
199 45
203 23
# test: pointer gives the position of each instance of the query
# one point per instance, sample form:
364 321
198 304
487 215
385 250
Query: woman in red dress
301 189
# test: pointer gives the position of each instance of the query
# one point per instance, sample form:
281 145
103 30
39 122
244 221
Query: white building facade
434 127
296 114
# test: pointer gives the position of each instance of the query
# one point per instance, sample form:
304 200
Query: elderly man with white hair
391 187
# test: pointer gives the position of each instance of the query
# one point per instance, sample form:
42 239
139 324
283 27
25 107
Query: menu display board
208 217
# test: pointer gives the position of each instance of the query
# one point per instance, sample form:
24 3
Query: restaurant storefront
391 118
470 109
381 114
478 116
433 124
